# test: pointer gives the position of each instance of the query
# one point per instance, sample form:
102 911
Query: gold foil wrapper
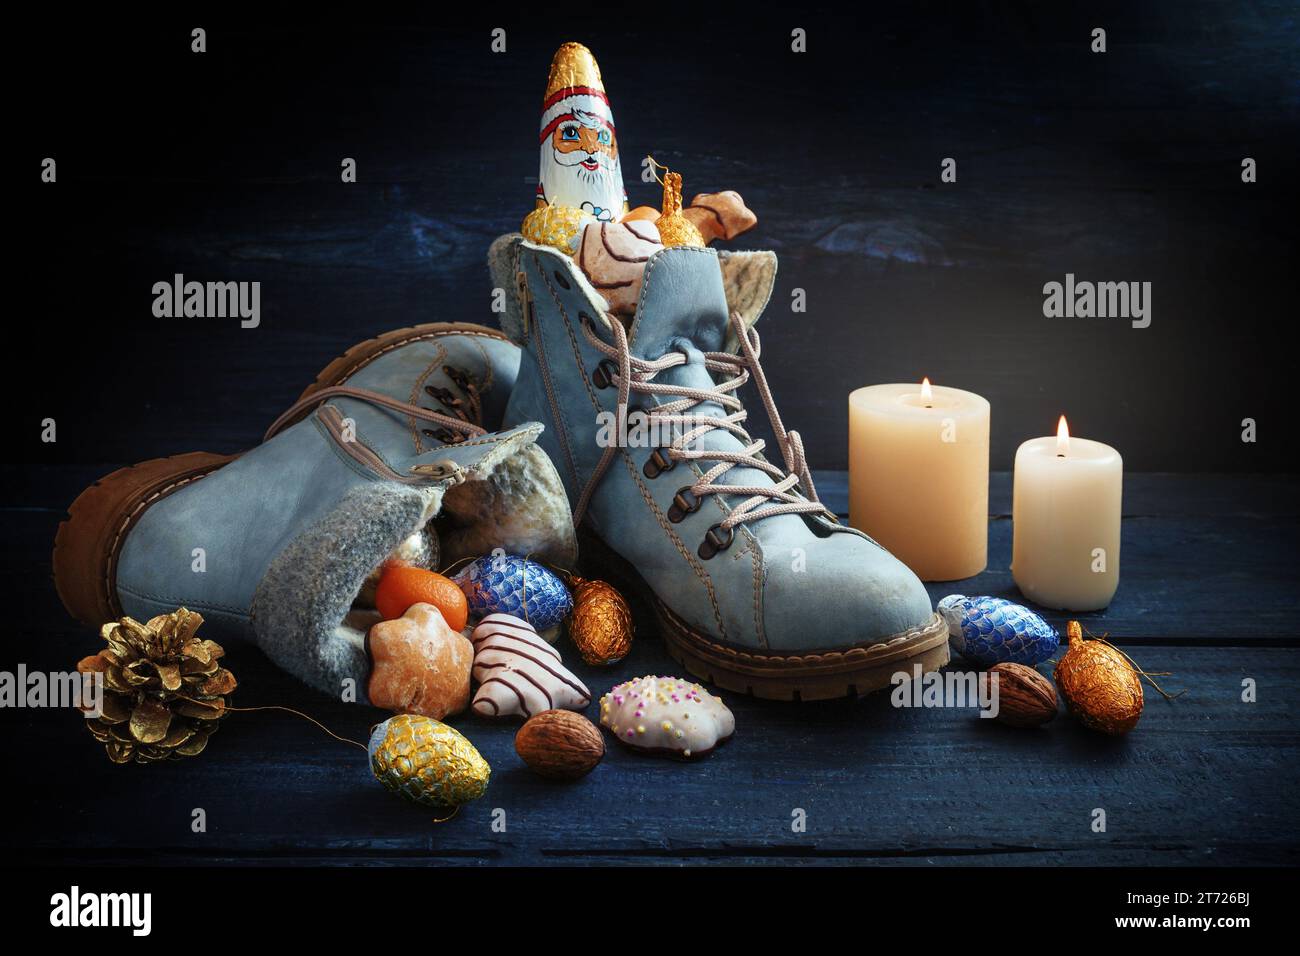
427 762
600 624
573 66
579 159
674 228
678 231
1099 685
559 227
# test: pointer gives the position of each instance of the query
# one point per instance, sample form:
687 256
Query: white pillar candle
919 476
1066 516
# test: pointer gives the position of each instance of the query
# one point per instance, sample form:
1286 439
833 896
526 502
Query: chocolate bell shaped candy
580 179
674 228
991 630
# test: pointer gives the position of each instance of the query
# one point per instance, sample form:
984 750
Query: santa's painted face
579 164
587 146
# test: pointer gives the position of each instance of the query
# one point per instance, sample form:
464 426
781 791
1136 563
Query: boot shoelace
635 374
448 422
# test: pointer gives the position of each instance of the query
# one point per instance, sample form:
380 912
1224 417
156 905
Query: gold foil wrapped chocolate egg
559 227
1099 685
427 762
600 623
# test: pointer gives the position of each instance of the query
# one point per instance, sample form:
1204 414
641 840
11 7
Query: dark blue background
1122 166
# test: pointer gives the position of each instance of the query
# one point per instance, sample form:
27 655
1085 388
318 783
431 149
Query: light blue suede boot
394 450
759 589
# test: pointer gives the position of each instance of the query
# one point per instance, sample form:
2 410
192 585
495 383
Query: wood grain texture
1207 779
877 783
1205 559
1120 167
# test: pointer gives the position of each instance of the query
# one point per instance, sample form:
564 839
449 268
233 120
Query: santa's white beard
598 191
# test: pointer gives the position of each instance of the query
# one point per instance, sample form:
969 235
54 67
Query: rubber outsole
813 675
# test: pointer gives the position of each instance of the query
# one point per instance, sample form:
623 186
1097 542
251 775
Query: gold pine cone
600 623
1099 685
427 762
164 692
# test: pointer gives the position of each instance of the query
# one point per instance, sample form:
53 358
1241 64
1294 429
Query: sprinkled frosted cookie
519 674
666 715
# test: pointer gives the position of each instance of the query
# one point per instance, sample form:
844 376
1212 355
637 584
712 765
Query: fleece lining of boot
520 506
747 280
503 265
300 607
304 611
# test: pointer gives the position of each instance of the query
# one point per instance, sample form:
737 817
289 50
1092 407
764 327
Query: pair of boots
452 440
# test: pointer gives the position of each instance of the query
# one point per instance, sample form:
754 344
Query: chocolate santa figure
580 180
579 145
580 188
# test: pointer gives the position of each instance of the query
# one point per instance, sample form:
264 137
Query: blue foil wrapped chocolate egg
506 584
992 630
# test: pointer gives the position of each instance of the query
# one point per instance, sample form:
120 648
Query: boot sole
814 675
89 540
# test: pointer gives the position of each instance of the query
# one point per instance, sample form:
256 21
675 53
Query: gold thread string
446 572
1150 676
655 165
454 809
527 558
288 710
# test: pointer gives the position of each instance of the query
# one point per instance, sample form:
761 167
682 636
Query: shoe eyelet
714 542
602 377
563 282
657 464
685 502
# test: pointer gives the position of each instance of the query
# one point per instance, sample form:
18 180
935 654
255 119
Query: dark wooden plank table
1207 592
1118 167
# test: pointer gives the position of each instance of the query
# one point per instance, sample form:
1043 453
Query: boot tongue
682 297
683 308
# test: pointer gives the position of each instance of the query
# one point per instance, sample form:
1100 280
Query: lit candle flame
927 393
1062 437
